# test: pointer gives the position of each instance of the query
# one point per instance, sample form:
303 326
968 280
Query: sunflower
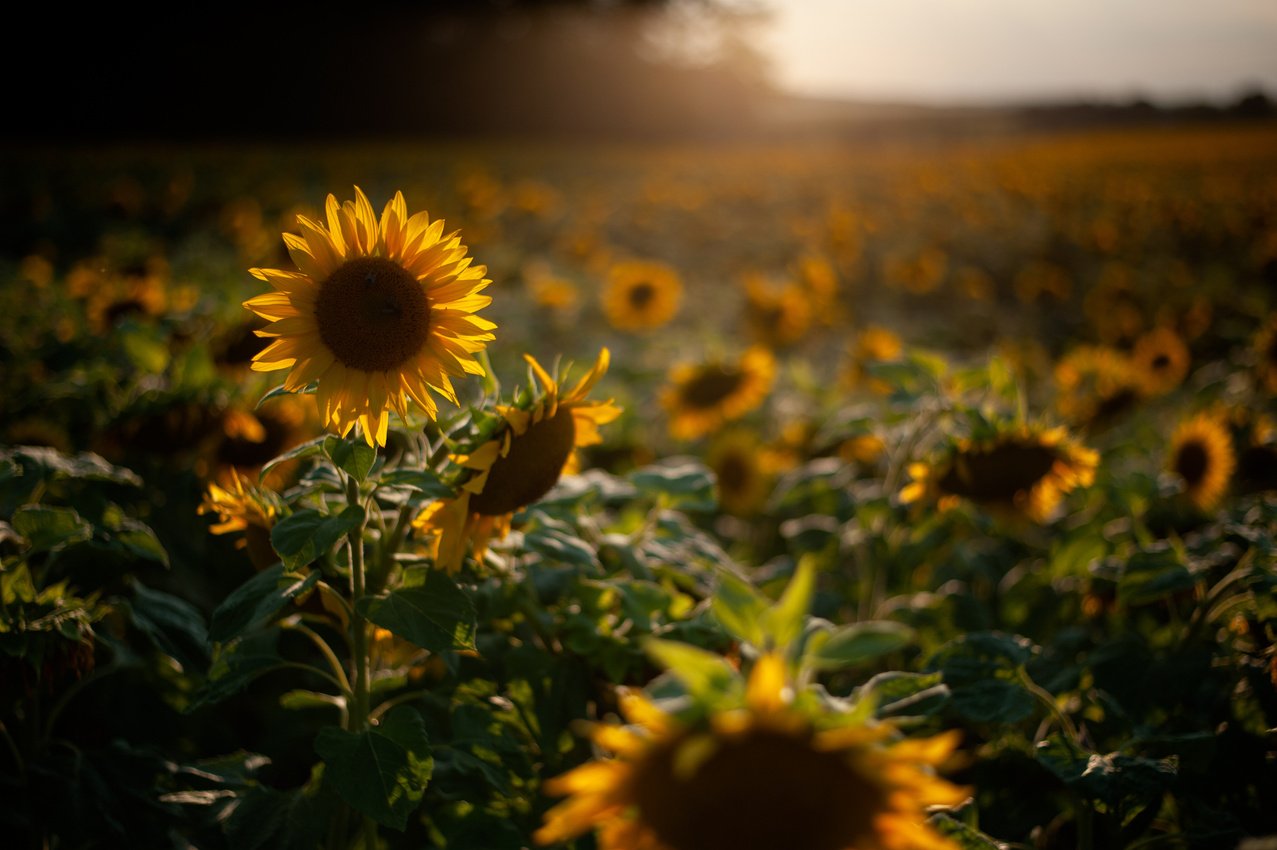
250 440
139 294
744 467
1022 470
377 313
761 776
534 445
874 344
1161 361
1265 347
776 317
700 398
239 506
641 295
1095 384
1201 456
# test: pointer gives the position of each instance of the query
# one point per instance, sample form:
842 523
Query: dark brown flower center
998 473
372 314
710 386
1191 462
641 295
734 472
762 791
1161 362
532 467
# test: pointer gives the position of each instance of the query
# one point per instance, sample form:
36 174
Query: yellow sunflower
1022 470
641 295
874 344
1094 384
700 398
744 467
1265 347
759 777
776 317
376 314
239 506
518 465
1201 455
1161 361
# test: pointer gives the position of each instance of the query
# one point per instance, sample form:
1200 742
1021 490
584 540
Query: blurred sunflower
874 344
1094 384
378 312
1020 469
641 295
250 440
1161 361
776 317
700 398
1201 455
761 776
121 296
744 467
239 506
533 447
1265 347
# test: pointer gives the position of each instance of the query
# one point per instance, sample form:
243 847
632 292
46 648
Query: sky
969 51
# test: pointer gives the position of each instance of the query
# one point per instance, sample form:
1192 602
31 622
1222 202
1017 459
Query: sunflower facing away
1023 470
239 506
701 397
377 313
1201 455
759 777
641 295
534 446
1095 384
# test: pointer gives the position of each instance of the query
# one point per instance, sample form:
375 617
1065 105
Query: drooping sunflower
1020 469
240 506
1161 361
519 464
1201 455
377 313
641 295
701 397
761 776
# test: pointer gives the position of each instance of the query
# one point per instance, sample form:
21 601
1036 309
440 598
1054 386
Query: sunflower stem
359 640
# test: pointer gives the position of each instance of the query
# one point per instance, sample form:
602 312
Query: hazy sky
979 50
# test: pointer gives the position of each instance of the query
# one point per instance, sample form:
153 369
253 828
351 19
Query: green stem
359 640
327 651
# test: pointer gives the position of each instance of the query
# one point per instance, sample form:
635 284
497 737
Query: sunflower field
735 497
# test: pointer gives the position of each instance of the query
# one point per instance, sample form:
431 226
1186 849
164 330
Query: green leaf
434 614
1153 574
425 481
910 693
966 837
992 701
255 601
381 772
299 699
739 607
310 448
861 642
47 529
308 534
354 456
140 540
280 820
783 622
38 462
560 546
280 390
703 673
685 482
235 664
174 626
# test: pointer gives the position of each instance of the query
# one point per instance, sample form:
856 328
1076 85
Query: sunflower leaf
783 623
434 614
355 457
308 534
48 529
860 642
739 607
255 601
704 674
310 448
381 772
235 664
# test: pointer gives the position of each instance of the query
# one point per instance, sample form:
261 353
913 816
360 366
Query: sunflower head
776 317
534 444
759 775
744 467
1095 384
239 506
1161 361
378 312
701 397
1201 457
641 295
1016 469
